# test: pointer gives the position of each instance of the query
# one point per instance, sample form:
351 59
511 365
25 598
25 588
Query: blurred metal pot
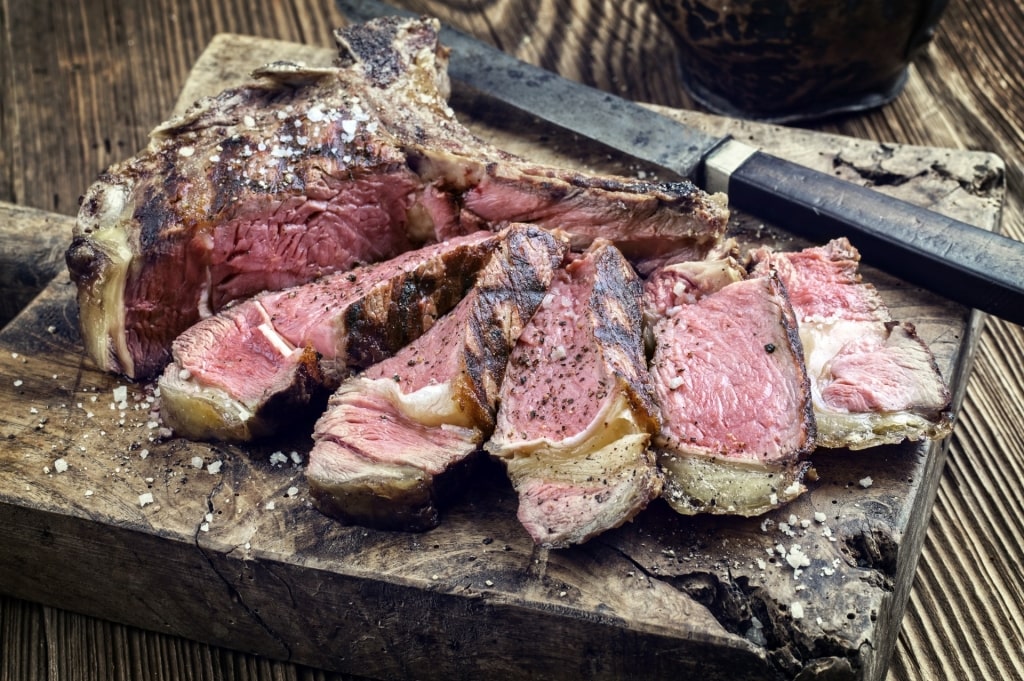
791 60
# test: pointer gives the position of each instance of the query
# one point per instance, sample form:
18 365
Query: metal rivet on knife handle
723 162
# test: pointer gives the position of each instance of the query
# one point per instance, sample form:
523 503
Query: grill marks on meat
644 219
577 407
314 170
873 380
730 382
241 373
390 437
260 188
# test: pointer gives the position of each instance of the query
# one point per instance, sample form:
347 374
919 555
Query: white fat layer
822 340
696 483
202 412
205 291
615 419
279 343
102 311
432 405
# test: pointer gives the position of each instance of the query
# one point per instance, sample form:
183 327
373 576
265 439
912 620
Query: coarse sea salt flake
797 558
797 610
186 151
866 482
278 458
120 393
197 462
214 467
292 491
60 465
145 499
820 517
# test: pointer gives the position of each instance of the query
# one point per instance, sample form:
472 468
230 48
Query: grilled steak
388 436
874 381
238 374
577 407
730 382
313 170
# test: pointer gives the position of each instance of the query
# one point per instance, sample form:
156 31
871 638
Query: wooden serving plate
221 544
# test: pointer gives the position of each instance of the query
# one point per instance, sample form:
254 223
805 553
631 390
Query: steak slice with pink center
256 365
730 382
577 408
391 437
308 171
874 381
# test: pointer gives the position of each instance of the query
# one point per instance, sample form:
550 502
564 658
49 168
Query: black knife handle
970 265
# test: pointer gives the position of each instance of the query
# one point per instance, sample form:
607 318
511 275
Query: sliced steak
313 170
577 409
874 381
243 372
390 436
730 382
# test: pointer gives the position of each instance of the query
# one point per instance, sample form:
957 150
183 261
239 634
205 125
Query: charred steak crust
577 407
392 436
616 302
231 368
312 170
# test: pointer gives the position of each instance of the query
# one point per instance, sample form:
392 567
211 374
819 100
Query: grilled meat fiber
577 406
389 435
308 171
337 231
873 380
729 377
254 366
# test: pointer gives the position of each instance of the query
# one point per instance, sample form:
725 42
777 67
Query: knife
969 265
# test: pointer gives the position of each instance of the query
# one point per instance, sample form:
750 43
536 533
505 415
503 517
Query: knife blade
967 264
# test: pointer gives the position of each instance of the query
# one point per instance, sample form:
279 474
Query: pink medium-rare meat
730 382
262 187
313 170
643 219
576 409
241 373
392 436
873 380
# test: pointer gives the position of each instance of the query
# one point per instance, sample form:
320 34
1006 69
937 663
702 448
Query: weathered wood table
82 86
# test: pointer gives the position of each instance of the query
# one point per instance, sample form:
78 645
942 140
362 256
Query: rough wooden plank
31 254
664 581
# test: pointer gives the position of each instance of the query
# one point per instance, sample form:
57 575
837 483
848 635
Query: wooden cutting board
102 513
